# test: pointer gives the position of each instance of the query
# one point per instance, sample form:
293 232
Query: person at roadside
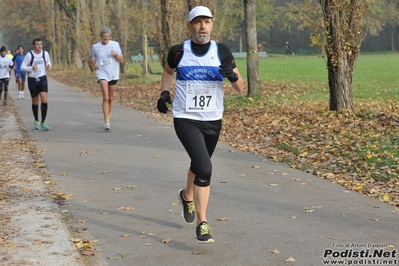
105 58
201 65
20 75
6 65
287 48
37 63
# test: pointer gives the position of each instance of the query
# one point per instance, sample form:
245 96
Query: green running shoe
37 125
45 126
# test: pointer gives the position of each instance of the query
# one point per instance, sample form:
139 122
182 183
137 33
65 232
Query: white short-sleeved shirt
107 63
37 60
5 64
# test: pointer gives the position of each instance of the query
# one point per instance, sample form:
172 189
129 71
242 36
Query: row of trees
70 27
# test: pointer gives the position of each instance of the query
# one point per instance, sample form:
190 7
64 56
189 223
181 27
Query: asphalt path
125 185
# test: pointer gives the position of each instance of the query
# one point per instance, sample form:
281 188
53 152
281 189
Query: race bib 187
200 97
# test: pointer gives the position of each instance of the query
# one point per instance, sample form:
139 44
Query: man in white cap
201 65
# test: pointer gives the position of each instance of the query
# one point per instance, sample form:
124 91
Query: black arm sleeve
174 55
226 55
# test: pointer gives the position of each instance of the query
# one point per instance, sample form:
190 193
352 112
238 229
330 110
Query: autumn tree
252 48
344 25
164 38
121 27
392 19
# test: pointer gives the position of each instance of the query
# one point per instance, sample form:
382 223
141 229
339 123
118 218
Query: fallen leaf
166 240
126 208
38 242
9 245
75 240
80 229
198 252
290 259
88 252
386 198
276 251
118 257
125 235
222 219
307 209
256 166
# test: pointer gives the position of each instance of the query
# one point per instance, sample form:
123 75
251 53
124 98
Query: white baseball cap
199 11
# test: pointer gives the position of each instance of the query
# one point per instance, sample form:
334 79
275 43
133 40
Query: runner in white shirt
37 63
105 58
6 65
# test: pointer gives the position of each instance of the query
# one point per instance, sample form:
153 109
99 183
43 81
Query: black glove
226 71
165 98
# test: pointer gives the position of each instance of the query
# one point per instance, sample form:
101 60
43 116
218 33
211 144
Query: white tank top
199 85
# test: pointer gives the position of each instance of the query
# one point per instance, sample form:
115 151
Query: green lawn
375 76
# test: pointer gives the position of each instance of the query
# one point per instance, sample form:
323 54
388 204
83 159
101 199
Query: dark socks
35 109
43 109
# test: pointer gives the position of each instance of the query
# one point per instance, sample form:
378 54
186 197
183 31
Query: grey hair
105 30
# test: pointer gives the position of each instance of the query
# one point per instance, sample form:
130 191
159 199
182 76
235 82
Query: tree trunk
344 26
52 34
340 84
165 39
397 37
252 48
122 29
